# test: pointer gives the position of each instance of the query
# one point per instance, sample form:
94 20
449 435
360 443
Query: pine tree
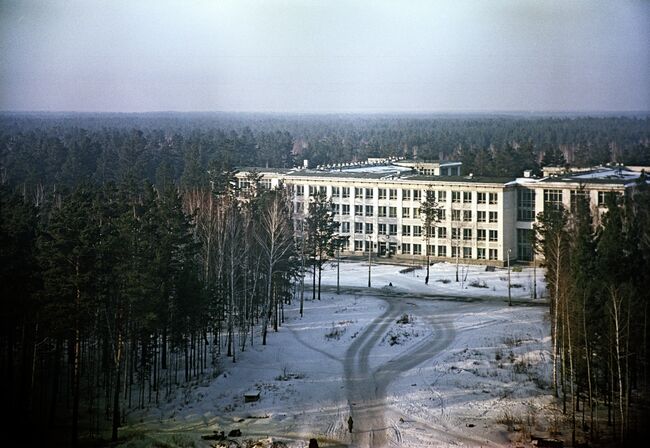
321 229
193 172
21 314
581 306
430 214
68 253
553 157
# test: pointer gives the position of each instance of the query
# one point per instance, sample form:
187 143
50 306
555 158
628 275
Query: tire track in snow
312 347
367 389
365 407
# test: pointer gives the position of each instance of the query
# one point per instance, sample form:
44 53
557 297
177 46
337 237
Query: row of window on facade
414 212
524 248
439 196
524 244
439 251
456 233
245 184
444 171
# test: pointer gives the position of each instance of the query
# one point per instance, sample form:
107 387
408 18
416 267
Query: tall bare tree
276 242
552 240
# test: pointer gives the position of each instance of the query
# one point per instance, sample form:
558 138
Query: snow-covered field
473 280
442 364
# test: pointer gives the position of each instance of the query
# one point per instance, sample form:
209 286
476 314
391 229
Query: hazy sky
325 56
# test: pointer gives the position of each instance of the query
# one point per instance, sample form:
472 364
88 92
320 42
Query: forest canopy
65 148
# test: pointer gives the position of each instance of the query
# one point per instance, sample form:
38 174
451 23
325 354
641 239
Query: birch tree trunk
616 302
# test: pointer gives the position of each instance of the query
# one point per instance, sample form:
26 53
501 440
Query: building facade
482 220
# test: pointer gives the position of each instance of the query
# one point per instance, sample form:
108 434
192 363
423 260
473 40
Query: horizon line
334 112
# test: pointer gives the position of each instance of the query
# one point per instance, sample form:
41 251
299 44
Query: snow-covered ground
473 280
414 364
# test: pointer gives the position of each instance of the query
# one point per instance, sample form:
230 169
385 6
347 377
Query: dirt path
366 387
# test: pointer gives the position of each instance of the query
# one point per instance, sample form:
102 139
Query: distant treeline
66 148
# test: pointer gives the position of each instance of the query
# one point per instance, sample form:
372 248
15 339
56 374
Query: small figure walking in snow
350 423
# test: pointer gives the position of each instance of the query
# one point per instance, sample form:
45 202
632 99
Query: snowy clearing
413 369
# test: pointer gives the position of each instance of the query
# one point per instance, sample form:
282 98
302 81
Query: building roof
387 171
343 174
414 162
370 168
462 179
249 169
395 176
620 176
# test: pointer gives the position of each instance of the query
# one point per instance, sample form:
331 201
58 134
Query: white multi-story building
482 220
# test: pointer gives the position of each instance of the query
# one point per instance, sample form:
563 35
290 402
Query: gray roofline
411 178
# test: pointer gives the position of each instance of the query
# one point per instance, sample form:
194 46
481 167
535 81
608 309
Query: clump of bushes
478 284
509 419
335 333
405 319
398 337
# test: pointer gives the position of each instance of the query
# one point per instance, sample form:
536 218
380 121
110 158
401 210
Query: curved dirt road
366 387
